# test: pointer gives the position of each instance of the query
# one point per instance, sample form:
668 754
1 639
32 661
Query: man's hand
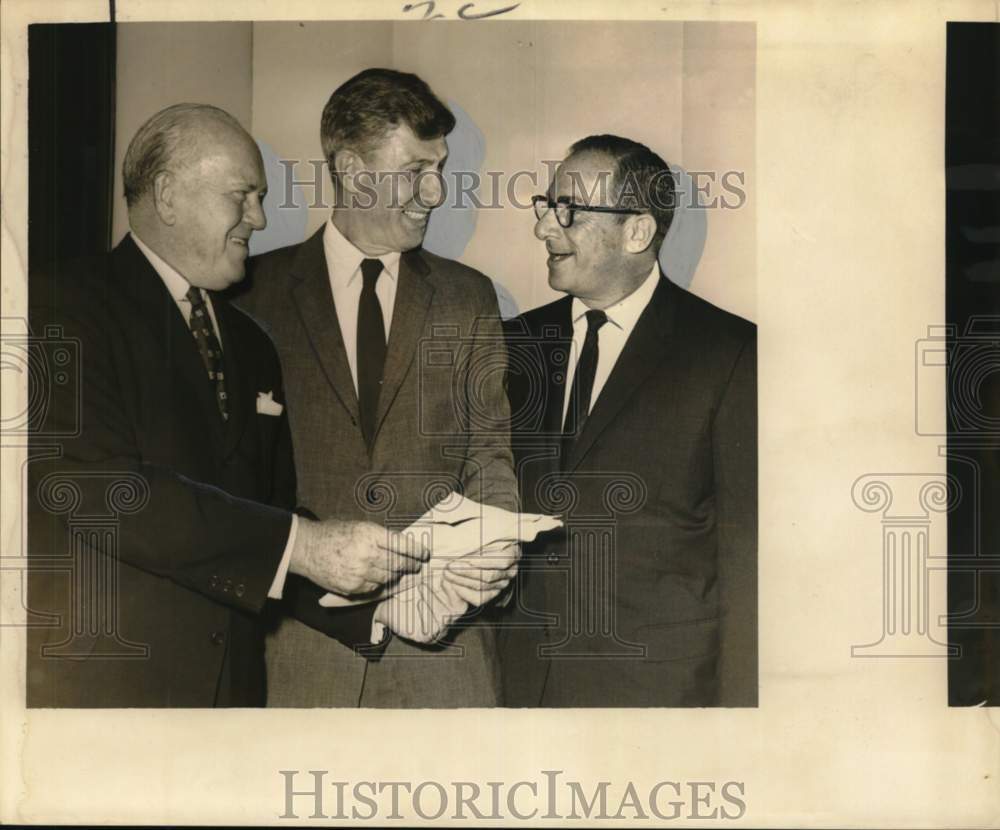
423 612
481 577
354 557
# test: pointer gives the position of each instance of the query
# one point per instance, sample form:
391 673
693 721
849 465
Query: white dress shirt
343 264
178 287
611 337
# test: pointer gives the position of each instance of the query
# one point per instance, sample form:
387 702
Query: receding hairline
207 131
608 165
177 138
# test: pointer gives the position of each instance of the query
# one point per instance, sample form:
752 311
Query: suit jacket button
240 590
228 586
213 582
218 638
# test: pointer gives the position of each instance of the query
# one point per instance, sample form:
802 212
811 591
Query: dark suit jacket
442 424
649 597
155 527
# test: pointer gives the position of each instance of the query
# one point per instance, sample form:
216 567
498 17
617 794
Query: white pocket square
267 405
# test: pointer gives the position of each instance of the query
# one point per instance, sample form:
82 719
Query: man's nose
547 227
431 190
254 216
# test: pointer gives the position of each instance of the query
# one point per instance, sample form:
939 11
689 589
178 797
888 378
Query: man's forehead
401 144
584 178
237 161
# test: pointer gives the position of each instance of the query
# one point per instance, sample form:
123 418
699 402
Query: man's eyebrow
245 184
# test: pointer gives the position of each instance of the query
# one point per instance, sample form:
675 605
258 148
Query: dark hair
363 109
641 179
164 141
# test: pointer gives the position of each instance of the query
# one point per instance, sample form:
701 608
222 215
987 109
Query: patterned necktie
583 382
208 347
371 348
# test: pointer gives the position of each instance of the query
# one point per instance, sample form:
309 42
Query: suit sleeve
734 441
284 482
192 533
489 466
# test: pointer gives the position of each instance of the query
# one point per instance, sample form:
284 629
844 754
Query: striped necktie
208 347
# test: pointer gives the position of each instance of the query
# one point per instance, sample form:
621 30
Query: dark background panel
972 150
71 97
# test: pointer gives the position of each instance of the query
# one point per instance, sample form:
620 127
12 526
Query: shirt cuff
380 631
278 585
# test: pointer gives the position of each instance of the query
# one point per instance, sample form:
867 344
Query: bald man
163 523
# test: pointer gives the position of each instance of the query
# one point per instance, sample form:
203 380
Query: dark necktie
371 348
208 347
583 382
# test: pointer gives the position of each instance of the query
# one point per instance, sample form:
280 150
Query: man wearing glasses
634 409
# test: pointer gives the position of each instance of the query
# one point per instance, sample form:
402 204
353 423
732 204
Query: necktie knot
195 297
370 270
595 319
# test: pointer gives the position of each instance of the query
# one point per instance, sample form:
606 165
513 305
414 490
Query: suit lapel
314 300
159 311
556 356
413 299
644 351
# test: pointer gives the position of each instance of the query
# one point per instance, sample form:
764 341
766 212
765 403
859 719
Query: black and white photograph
391 355
476 412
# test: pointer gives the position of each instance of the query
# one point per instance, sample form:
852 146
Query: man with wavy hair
393 360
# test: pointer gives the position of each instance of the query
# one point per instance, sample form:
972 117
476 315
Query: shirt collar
175 283
625 313
345 259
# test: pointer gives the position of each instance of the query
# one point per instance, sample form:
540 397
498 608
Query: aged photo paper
809 143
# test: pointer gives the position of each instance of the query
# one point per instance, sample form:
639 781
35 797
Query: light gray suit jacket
442 424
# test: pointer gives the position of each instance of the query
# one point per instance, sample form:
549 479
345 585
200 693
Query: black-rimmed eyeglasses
565 209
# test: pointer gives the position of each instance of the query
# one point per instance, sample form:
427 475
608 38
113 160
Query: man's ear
348 165
164 194
639 233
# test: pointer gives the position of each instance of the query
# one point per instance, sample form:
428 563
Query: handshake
458 556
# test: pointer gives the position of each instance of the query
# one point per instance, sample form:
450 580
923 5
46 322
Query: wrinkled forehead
584 179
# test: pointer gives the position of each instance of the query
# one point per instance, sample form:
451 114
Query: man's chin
230 279
557 280
412 239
